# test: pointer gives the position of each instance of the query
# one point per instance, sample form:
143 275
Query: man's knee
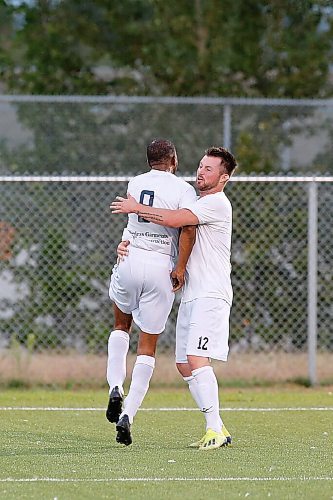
184 369
125 326
122 321
147 344
196 362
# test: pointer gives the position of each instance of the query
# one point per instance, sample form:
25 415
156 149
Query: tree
212 47
6 36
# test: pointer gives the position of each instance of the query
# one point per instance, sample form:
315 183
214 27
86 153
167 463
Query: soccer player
141 288
202 330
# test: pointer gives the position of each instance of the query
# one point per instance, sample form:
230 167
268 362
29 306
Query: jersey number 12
202 343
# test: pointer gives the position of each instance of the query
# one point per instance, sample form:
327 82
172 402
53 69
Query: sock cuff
188 379
120 334
203 369
145 360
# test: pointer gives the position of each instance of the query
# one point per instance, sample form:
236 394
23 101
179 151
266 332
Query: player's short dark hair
228 161
160 151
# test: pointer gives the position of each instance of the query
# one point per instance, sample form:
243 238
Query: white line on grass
157 479
58 408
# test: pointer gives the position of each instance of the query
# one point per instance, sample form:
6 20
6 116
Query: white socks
116 372
142 372
117 353
208 396
193 386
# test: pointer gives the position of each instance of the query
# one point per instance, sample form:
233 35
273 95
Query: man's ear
174 164
224 178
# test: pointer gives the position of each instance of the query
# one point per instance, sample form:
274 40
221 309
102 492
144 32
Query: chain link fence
102 135
58 241
58 237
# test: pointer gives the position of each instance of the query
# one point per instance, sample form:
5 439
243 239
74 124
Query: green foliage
216 47
212 47
304 381
263 247
60 283
250 156
57 270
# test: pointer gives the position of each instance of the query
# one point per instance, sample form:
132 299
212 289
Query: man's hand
124 205
177 278
122 250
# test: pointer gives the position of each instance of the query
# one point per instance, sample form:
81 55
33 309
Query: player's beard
204 187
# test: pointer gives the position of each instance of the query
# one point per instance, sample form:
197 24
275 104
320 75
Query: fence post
227 126
312 279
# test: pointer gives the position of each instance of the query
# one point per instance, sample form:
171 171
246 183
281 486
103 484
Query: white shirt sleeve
210 209
188 197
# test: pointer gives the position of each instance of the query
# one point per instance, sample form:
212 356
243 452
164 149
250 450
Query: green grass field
70 453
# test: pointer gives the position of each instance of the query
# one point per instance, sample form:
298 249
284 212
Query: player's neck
162 168
216 189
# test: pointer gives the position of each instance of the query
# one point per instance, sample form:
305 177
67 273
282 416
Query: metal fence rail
58 241
87 134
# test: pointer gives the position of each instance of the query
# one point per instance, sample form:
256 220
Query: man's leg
185 371
142 373
116 365
208 332
207 391
181 344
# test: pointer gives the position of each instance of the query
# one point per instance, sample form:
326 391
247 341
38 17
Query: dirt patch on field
65 369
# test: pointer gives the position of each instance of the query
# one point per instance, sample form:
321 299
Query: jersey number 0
144 197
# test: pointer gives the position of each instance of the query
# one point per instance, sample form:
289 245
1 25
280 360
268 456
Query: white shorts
203 329
141 285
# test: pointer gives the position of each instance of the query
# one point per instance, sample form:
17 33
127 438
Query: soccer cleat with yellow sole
197 444
227 435
213 440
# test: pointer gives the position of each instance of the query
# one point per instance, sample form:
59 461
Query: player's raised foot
227 435
124 431
213 440
114 408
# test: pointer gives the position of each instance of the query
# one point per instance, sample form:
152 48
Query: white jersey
209 263
162 190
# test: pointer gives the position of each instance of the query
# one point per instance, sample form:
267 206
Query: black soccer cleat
124 431
114 408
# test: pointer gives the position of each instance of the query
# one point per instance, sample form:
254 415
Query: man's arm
163 217
186 242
